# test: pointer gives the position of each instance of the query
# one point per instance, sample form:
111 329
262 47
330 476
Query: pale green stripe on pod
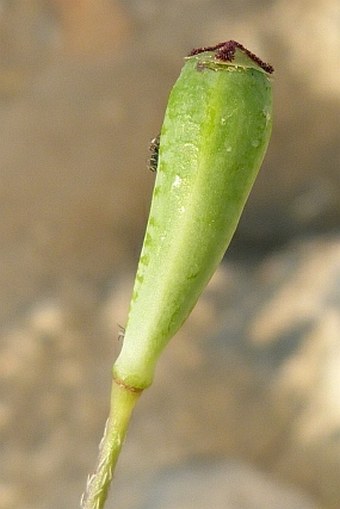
215 133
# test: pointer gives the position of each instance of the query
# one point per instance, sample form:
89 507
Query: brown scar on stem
225 51
129 388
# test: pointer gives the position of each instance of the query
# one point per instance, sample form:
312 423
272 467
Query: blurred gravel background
245 409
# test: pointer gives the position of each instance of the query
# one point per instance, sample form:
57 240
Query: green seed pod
214 137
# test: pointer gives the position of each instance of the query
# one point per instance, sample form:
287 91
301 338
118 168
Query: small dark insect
154 149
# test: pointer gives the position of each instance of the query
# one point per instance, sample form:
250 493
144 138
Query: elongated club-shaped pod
215 134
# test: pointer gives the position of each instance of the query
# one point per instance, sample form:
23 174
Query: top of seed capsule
227 52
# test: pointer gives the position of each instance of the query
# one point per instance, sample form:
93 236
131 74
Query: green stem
123 400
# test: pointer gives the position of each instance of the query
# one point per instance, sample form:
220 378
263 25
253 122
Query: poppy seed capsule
214 137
